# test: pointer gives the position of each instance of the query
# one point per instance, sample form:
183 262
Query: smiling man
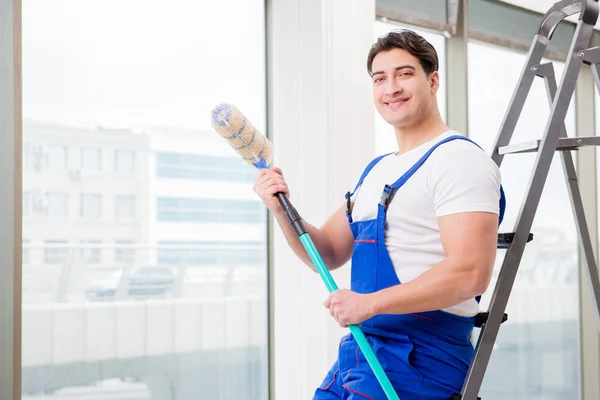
421 231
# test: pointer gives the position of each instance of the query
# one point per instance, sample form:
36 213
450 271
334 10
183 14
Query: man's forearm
444 285
318 237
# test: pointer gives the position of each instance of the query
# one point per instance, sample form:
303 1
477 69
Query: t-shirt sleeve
465 180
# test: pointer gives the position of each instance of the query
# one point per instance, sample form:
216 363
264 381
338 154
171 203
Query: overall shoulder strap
390 189
368 169
406 176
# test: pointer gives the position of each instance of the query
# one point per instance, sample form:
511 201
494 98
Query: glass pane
90 160
91 206
92 253
145 251
26 203
125 161
385 140
536 355
125 207
55 204
597 108
57 157
202 167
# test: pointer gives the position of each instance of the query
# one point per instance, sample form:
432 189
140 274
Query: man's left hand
348 307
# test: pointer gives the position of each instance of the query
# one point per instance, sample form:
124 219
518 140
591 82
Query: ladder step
482 318
564 144
505 239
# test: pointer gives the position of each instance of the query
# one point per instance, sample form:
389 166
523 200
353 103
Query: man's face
403 93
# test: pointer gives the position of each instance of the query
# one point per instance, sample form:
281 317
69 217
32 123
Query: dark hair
407 40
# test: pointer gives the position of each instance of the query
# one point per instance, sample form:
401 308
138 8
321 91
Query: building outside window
91 206
90 160
125 161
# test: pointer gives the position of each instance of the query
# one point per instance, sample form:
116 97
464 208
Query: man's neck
409 138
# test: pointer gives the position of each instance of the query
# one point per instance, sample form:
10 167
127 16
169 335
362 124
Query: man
421 228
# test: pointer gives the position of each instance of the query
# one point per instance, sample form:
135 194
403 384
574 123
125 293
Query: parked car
142 283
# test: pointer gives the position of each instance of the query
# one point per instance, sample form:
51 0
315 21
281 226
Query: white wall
322 129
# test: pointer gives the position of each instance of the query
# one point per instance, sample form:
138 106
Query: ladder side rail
577 206
526 214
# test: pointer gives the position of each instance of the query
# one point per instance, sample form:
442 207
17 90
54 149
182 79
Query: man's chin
398 122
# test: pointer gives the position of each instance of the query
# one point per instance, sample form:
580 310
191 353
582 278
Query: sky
137 63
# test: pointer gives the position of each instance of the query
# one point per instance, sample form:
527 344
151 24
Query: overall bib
426 356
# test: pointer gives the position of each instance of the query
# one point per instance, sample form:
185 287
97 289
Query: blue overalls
426 355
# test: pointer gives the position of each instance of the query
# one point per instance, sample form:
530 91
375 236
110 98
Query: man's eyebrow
396 69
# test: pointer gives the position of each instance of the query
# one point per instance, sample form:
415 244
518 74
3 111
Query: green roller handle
296 222
355 329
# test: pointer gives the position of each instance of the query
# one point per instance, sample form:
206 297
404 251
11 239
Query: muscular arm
333 240
469 241
465 196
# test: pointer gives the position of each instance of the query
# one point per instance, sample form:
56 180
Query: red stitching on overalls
356 392
332 382
422 316
365 241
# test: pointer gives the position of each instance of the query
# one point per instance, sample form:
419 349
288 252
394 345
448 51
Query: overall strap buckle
386 196
348 203
348 206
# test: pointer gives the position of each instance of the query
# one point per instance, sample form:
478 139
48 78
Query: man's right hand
333 240
268 183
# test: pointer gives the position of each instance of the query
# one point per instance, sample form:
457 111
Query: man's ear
434 81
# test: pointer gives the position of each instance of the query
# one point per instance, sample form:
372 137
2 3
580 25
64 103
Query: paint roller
257 150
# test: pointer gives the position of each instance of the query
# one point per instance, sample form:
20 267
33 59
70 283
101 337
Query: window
57 204
26 150
211 253
385 139
208 210
536 354
597 109
26 203
91 206
125 161
203 167
115 91
25 253
125 252
55 252
91 253
57 157
90 159
125 207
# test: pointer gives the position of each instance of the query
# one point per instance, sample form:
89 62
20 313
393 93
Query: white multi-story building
82 187
205 214
99 200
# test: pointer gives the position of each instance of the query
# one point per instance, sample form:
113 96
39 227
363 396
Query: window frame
11 123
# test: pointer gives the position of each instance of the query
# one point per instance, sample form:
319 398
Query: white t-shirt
457 177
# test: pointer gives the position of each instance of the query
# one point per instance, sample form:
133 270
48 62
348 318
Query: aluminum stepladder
554 139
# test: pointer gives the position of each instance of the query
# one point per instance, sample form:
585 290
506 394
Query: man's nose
392 87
